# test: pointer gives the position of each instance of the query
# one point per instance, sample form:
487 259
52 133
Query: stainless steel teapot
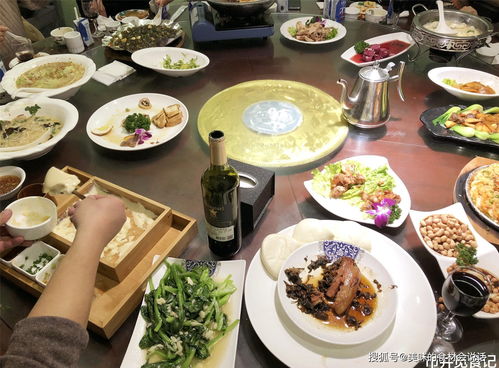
367 105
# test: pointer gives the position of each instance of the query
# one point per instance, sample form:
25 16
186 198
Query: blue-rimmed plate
224 352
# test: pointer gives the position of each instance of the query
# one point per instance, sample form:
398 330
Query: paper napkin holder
255 191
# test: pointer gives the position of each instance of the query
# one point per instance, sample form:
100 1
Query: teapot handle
399 78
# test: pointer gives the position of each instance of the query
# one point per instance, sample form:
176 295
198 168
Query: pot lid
374 73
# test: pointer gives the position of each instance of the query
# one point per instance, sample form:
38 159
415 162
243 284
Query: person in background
54 333
113 7
11 20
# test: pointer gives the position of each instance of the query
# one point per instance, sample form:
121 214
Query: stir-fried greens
472 121
179 64
184 316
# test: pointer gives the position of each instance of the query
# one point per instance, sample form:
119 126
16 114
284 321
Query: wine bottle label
221 234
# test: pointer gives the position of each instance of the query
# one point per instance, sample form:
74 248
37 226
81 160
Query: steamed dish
138 220
27 130
276 248
51 75
462 29
337 293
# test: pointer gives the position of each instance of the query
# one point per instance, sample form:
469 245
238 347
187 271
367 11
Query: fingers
5 216
6 242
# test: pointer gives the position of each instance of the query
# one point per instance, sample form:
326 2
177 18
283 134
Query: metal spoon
442 26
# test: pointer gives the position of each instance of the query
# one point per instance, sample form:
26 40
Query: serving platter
343 208
224 353
115 300
441 132
328 23
114 112
400 36
459 195
467 190
487 254
139 13
416 312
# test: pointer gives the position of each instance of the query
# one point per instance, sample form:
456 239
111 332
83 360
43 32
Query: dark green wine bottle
220 188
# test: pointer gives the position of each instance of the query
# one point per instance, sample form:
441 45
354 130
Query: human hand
99 217
7 241
3 30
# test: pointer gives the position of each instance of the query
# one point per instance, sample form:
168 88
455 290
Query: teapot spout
344 100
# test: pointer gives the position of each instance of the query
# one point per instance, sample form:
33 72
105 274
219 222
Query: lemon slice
102 130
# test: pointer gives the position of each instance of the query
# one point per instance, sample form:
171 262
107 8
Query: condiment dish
6 171
43 277
464 75
32 260
154 57
58 34
32 217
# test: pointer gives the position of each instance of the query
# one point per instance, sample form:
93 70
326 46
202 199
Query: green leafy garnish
292 31
136 121
360 47
332 34
466 256
314 20
395 215
32 109
180 64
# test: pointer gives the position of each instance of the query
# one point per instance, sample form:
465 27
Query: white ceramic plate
372 269
329 23
401 36
139 13
58 109
343 208
487 254
416 314
226 354
114 113
464 75
9 80
153 57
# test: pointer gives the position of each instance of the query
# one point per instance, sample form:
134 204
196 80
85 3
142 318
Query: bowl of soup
59 76
32 217
31 127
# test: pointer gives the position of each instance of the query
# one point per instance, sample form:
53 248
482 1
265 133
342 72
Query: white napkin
112 72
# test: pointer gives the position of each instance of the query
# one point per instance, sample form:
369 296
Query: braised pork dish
337 293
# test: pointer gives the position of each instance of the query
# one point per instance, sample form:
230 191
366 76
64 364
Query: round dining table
170 173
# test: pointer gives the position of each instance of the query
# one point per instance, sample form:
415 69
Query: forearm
70 291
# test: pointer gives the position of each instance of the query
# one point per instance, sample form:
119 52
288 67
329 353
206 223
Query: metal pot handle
414 7
398 78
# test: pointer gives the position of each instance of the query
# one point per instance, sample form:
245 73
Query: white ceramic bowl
488 53
58 34
32 217
464 75
372 269
376 15
58 109
153 57
15 171
9 80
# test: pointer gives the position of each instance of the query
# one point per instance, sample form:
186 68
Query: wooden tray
459 195
115 300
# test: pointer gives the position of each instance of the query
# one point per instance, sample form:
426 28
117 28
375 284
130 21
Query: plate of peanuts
440 231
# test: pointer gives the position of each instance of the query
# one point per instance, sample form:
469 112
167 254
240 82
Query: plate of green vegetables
189 316
469 124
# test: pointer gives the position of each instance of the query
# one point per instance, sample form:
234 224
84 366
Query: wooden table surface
171 172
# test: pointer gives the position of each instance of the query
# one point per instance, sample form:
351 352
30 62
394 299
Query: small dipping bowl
352 13
112 25
32 217
132 19
5 172
58 34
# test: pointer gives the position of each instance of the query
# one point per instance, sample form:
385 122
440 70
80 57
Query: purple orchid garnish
382 211
143 135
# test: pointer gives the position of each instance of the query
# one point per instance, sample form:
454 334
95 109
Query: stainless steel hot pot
444 42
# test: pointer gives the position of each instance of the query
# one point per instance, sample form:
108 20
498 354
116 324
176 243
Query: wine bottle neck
218 156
